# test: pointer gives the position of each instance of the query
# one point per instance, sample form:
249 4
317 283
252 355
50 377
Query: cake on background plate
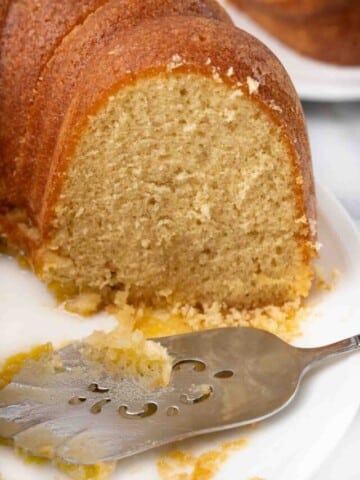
327 30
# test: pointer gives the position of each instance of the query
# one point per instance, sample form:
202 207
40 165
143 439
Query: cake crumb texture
31 31
182 465
170 231
130 354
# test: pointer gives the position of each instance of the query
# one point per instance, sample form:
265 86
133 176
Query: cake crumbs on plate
283 321
326 281
182 465
100 471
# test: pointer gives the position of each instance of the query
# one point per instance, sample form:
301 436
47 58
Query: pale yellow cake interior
131 355
181 189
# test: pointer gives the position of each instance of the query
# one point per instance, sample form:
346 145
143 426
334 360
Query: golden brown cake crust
31 32
3 13
333 36
59 77
204 46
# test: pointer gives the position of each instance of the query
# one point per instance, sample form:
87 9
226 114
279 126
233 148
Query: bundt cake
153 154
325 30
162 154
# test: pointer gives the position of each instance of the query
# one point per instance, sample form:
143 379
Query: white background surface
335 138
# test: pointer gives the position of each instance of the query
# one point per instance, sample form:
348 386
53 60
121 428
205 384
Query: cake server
221 379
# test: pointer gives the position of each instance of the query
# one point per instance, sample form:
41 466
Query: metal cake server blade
221 379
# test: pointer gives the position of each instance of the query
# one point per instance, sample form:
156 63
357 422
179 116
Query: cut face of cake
180 174
186 190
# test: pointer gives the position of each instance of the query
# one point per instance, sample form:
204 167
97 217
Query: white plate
290 446
313 80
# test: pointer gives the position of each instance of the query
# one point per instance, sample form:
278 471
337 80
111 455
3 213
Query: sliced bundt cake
180 172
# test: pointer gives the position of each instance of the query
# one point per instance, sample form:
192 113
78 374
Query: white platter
313 80
290 446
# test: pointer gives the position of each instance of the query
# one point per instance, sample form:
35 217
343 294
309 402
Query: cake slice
180 173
